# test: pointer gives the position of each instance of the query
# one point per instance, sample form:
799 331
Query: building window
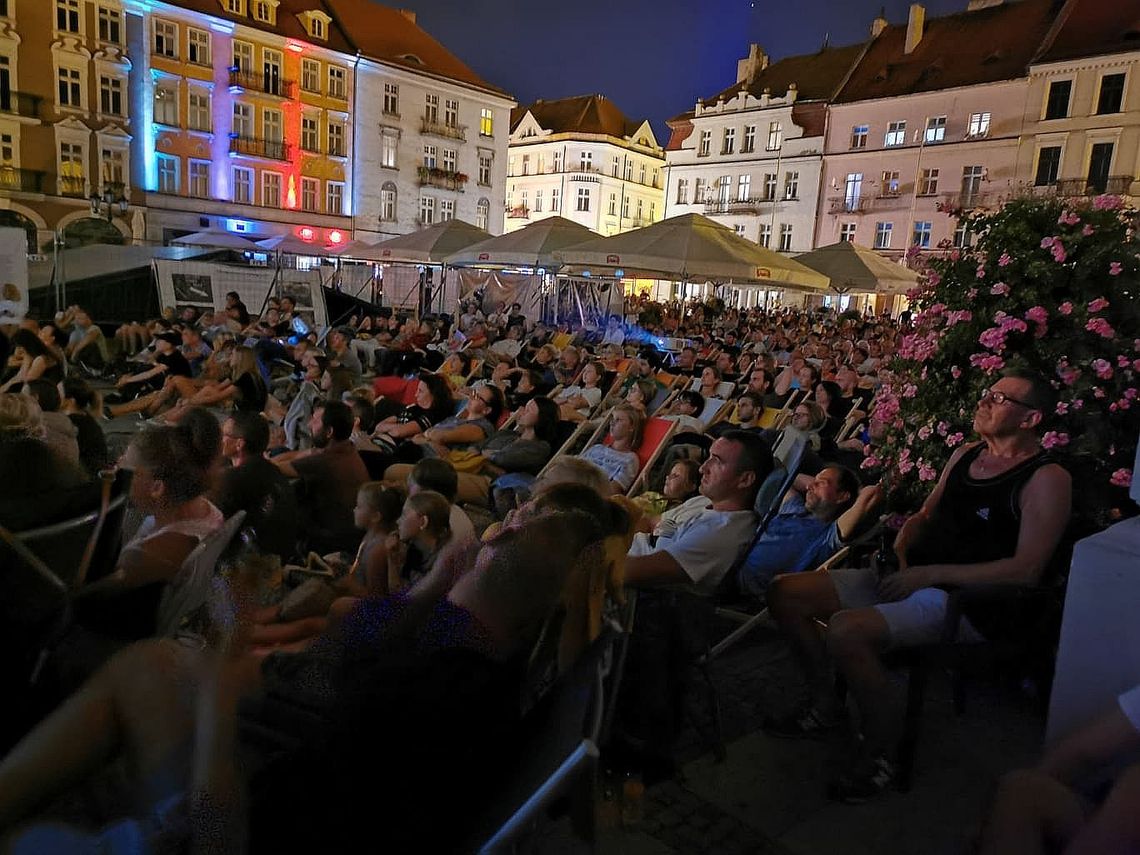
1111 94
775 135
706 143
242 126
388 202
640 210
167 174
338 83
1057 104
652 212
628 170
936 129
769 192
922 232
336 139
583 199
430 156
744 188
728 145
963 237
199 183
738 228
852 190
198 47
482 213
110 25
389 139
785 237
859 136
110 96
427 210
723 185
699 191
486 123
309 188
791 185
271 125
485 170
555 200
243 185
891 183
538 201
310 133
1048 166
199 113
896 133
7 149
1100 166
749 143
586 161
556 158
271 189
971 184
979 125
264 11
611 208
625 207
446 210
451 113
615 166
67 17
449 160
847 233
113 170
641 174
883 235
682 191
235 7
431 109
71 167
928 182
166 39
765 237
310 75
242 57
392 99
70 89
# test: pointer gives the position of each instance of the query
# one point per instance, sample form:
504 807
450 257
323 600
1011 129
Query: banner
13 275
497 287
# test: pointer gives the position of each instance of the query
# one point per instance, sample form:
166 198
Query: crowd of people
428 500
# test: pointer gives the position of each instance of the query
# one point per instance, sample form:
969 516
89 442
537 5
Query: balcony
254 147
589 174
889 202
518 212
451 132
20 104
1115 185
267 84
71 185
745 207
844 205
968 201
445 179
22 180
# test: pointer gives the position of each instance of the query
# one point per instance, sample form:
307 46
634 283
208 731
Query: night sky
652 58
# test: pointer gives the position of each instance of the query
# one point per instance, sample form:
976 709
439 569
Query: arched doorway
16 220
91 230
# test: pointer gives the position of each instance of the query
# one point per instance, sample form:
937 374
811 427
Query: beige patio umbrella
535 245
292 245
432 245
215 238
853 268
692 248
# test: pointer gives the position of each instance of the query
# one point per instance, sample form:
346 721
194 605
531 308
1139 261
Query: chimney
914 27
409 14
751 65
880 23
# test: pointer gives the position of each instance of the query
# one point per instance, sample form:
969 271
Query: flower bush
1050 285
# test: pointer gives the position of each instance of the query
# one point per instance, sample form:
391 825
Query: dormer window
234 7
265 11
316 24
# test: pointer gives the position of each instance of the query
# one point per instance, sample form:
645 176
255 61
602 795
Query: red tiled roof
584 114
1094 28
817 76
966 49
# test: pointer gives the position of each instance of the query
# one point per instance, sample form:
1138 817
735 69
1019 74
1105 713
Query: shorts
915 621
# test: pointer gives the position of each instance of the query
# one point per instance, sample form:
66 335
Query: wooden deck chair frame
723 408
563 450
651 461
726 413
796 397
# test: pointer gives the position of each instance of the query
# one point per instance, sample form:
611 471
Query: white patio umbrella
292 245
535 245
215 238
858 269
691 248
432 245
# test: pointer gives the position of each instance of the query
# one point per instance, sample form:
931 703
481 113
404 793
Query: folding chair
196 582
654 440
716 409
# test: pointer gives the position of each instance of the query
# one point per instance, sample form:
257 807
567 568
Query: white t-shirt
593 396
686 422
507 347
706 545
620 467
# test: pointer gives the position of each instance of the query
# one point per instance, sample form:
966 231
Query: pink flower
1065 308
1121 478
1099 392
1058 251
870 462
954 439
1047 242
1087 230
1107 203
1004 260
988 362
942 428
1078 404
1069 218
954 318
1054 439
1098 305
924 432
973 292
1101 327
1000 289
1130 394
955 254
1102 368
1038 314
1123 361
1062 408
956 372
926 472
1114 268
904 465
981 271
993 338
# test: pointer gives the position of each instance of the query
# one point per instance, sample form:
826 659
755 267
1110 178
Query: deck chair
560 758
562 339
196 582
654 440
715 410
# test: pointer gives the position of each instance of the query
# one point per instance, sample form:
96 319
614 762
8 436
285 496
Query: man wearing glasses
995 516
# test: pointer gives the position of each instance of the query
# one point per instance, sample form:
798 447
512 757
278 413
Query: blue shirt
794 541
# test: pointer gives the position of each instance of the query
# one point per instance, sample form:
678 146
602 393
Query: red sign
763 273
613 259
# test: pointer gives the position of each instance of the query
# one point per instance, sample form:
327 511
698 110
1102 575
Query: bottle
632 800
884 561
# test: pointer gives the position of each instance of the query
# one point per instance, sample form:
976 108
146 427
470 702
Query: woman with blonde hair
244 390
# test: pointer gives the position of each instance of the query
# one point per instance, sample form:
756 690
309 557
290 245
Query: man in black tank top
995 516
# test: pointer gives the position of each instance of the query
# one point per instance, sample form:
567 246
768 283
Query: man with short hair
996 516
195 349
686 411
341 353
331 476
252 484
686 362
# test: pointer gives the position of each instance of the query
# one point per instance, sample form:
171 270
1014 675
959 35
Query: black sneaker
866 780
806 723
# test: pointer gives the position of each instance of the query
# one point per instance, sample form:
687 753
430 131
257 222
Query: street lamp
111 201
